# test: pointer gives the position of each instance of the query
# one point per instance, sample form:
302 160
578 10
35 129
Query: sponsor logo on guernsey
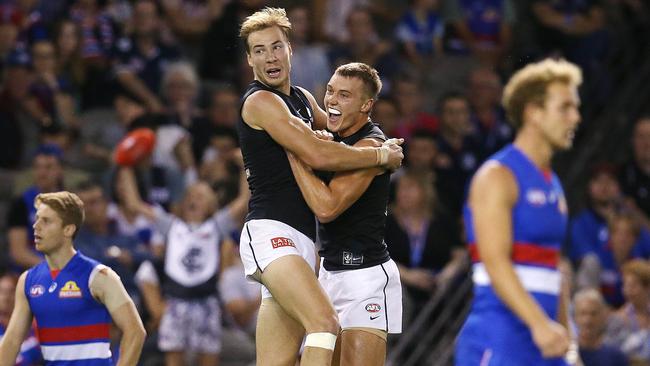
52 287
351 259
536 197
373 308
70 290
36 291
282 242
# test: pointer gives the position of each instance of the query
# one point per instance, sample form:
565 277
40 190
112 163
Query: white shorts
263 241
368 297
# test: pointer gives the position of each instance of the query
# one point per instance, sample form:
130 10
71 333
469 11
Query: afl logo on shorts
373 308
36 291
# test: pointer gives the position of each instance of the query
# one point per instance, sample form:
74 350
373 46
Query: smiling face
270 57
558 118
347 104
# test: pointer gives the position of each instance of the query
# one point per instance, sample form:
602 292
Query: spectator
491 129
385 113
422 239
624 244
18 134
635 177
99 238
589 227
631 323
420 31
591 321
98 34
223 56
10 21
47 170
222 114
409 96
363 45
310 67
482 28
180 289
50 101
30 352
458 153
70 64
190 19
141 59
575 28
422 152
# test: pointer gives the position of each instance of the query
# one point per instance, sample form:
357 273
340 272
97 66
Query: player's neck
535 147
59 258
361 121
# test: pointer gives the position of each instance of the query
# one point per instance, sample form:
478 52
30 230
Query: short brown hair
530 84
265 18
68 206
366 73
638 268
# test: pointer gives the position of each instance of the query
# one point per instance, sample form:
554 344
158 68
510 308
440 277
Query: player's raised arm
329 201
21 320
493 194
264 110
107 288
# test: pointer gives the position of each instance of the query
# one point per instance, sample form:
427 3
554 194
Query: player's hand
395 153
551 338
324 135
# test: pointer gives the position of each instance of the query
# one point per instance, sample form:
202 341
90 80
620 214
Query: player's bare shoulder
262 106
491 180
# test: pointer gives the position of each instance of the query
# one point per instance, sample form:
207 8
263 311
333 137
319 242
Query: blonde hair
265 18
530 84
68 206
638 268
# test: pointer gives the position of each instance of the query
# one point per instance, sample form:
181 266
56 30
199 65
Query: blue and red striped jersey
72 326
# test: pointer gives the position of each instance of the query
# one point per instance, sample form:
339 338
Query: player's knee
328 323
323 340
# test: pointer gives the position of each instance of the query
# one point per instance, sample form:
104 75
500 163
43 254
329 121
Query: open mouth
273 73
37 238
333 114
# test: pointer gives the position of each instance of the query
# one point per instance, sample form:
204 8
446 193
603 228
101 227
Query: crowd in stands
77 75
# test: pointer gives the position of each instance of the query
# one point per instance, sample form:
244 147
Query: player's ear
69 230
367 106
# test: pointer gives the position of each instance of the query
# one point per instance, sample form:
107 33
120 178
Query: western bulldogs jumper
493 334
73 327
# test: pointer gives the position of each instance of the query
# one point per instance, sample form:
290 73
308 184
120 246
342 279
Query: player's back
275 194
539 219
73 327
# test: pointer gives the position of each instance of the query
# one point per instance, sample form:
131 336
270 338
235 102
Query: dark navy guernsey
355 239
275 195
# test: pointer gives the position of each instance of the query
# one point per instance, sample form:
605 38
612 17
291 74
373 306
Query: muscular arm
329 201
21 320
493 193
264 110
107 288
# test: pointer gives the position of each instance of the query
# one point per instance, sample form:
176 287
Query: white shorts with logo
368 297
263 241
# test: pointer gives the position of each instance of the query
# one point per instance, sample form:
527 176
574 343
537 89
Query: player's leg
336 357
363 347
295 288
278 336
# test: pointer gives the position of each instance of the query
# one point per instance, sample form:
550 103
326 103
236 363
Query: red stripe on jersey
525 253
73 334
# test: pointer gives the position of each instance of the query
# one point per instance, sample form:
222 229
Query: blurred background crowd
77 75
